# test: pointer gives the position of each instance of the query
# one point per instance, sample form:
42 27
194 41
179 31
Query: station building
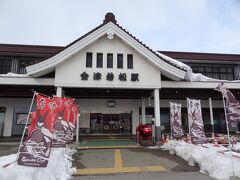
117 80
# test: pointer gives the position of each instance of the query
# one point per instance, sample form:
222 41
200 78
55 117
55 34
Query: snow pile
59 167
14 75
236 147
210 161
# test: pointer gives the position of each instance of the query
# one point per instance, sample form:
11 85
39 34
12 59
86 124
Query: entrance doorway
110 123
2 119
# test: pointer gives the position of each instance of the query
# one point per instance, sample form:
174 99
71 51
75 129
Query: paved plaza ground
140 163
119 160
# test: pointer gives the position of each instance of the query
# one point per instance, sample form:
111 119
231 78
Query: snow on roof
190 75
13 75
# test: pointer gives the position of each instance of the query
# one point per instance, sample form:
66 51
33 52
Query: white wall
94 106
10 103
68 73
121 106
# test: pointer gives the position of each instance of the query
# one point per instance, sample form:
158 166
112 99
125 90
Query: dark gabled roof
201 56
110 17
29 50
45 52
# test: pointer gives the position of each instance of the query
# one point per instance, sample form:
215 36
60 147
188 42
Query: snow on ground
209 159
59 167
236 147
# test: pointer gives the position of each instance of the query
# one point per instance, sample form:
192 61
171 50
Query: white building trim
198 85
50 64
26 81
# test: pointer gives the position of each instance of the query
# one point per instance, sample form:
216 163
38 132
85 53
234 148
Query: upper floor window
109 60
130 61
216 71
99 60
120 61
89 59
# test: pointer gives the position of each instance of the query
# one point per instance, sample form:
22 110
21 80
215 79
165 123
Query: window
130 61
89 60
216 71
120 61
99 60
109 60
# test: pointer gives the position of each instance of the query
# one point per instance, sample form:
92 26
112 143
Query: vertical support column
157 115
211 115
143 120
59 91
7 131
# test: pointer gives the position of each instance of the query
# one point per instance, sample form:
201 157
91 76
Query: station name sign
134 77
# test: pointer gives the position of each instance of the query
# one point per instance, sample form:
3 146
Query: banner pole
170 119
77 130
26 123
229 143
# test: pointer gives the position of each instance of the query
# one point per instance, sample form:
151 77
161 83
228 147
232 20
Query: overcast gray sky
174 25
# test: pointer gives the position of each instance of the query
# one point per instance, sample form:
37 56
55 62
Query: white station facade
117 81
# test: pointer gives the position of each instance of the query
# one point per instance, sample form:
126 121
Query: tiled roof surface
28 50
201 56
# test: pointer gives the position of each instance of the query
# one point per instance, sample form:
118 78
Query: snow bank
236 147
210 161
59 167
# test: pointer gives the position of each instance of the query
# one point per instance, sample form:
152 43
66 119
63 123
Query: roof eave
49 65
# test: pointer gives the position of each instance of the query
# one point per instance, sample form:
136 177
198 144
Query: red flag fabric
195 121
231 104
33 122
35 151
175 118
61 126
73 121
68 104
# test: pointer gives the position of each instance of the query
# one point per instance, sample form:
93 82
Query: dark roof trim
201 56
28 50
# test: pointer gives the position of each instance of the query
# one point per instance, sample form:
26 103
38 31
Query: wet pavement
132 163
8 149
148 176
9 145
132 157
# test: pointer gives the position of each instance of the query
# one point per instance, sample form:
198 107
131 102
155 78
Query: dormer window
120 61
89 59
130 61
109 60
99 60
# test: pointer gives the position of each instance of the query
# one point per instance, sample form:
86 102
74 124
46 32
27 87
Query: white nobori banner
176 123
195 121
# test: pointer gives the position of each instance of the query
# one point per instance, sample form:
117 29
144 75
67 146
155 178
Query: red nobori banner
73 121
35 150
195 121
175 118
61 132
231 104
